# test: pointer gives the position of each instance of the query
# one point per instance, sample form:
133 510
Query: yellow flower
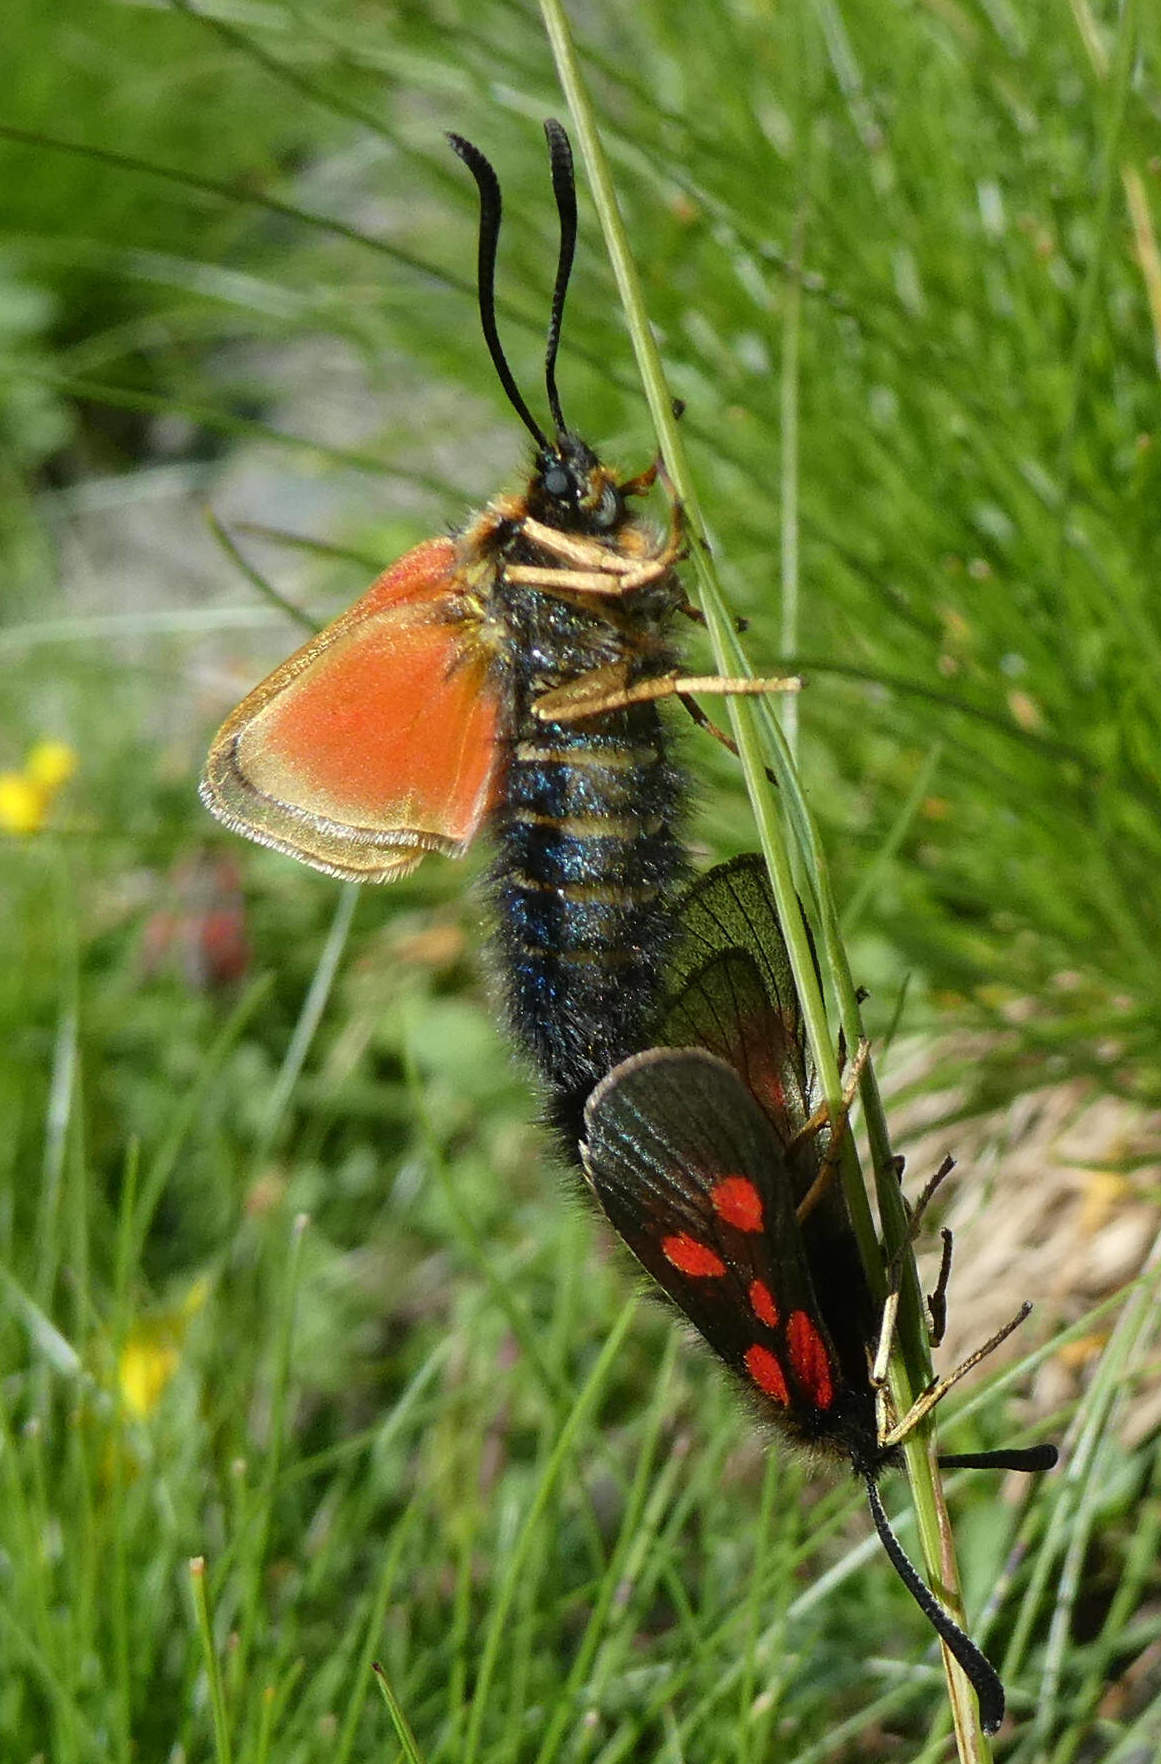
152 1352
22 803
148 1362
26 797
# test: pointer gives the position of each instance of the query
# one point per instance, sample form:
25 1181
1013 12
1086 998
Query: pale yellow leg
667 686
551 580
586 554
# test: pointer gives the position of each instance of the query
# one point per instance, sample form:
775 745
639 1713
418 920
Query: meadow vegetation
289 1280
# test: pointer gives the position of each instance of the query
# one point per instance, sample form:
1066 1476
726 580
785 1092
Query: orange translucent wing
376 741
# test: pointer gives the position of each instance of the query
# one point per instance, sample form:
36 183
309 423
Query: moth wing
731 907
726 1008
731 1007
373 743
692 1177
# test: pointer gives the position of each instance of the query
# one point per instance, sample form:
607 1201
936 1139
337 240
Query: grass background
899 259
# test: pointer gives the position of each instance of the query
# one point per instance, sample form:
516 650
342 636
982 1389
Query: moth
506 678
715 1164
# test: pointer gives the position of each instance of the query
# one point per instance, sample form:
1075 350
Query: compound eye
556 483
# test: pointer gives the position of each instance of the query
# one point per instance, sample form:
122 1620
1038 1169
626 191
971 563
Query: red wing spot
690 1256
762 1304
809 1359
767 1374
737 1201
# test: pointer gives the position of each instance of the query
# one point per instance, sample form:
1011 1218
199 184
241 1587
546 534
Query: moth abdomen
587 851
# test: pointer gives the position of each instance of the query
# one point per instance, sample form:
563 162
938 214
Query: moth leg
892 1435
821 1115
937 1299
590 554
679 685
645 481
657 474
878 1374
821 1118
585 554
935 1393
916 1213
915 1216
551 579
651 570
583 697
590 557
703 722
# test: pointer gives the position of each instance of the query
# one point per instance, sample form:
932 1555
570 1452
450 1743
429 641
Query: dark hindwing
730 988
731 907
726 1008
693 1178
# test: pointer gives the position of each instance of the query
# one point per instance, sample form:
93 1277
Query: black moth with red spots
693 1152
693 1176
693 1149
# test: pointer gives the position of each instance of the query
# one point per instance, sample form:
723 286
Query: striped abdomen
587 852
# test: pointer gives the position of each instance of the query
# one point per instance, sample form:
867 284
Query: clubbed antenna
491 207
1026 1458
564 189
980 1672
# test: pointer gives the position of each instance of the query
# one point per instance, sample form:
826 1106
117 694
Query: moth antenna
564 189
1026 1458
980 1672
491 208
